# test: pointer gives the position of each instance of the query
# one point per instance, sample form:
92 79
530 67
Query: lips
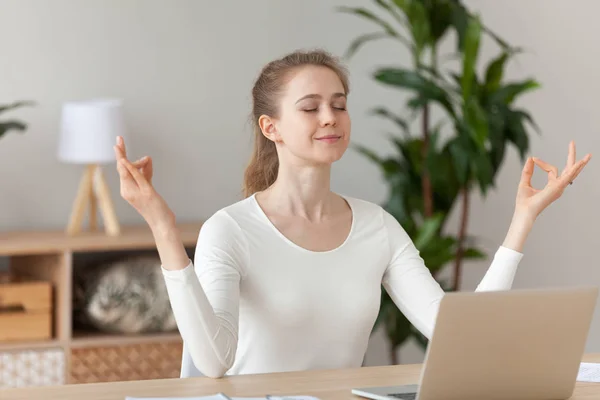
329 137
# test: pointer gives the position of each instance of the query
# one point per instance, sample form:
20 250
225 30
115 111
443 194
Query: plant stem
425 178
462 233
394 355
426 181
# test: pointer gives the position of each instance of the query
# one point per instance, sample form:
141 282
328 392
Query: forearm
204 295
210 334
171 250
518 231
501 273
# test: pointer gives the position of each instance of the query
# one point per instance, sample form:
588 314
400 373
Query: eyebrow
318 96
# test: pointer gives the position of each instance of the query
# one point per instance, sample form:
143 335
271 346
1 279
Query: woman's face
313 125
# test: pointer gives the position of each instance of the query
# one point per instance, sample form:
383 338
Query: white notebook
220 396
589 372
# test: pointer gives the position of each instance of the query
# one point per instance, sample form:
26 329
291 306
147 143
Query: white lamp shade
89 130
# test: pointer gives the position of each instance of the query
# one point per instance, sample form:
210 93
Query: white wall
185 70
562 55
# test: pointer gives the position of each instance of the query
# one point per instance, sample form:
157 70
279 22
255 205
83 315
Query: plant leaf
473 254
460 20
526 116
370 154
411 152
396 205
516 133
384 112
494 72
361 40
391 168
440 17
507 94
399 329
440 251
460 158
387 27
419 26
471 50
501 42
16 104
428 230
421 340
363 12
7 126
497 139
483 170
476 120
407 79
392 10
384 306
402 4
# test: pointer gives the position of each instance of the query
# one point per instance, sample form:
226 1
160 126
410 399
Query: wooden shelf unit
52 255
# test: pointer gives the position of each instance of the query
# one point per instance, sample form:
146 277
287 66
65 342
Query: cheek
345 123
299 128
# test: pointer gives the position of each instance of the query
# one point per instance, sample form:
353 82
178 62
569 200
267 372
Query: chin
329 157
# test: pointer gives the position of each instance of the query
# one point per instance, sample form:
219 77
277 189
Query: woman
289 278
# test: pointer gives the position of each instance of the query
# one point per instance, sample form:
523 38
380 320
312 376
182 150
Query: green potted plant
12 124
432 172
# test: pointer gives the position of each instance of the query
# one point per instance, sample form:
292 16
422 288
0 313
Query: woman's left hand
530 201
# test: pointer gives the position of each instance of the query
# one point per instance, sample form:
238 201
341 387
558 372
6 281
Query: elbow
214 368
215 373
428 333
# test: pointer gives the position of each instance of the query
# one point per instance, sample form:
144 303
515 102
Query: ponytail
261 171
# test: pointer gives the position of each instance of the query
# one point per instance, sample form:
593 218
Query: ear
268 128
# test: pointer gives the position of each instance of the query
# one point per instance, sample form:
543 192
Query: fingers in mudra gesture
533 201
136 186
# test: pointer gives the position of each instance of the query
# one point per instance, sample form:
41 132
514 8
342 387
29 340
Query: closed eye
316 109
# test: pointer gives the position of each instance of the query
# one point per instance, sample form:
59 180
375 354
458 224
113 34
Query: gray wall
185 69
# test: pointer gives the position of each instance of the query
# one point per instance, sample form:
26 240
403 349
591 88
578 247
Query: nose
327 117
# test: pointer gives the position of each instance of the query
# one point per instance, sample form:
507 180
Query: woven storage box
126 362
25 311
32 368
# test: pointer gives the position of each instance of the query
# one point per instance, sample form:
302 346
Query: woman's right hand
137 189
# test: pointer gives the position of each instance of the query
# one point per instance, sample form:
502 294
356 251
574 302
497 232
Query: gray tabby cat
125 296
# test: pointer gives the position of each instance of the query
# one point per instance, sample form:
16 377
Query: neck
303 191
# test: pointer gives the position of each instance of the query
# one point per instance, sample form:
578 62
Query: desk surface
326 385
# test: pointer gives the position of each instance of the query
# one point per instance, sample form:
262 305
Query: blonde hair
261 171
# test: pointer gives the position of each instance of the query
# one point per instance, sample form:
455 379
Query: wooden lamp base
93 191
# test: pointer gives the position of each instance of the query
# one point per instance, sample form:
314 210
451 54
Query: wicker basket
32 368
126 362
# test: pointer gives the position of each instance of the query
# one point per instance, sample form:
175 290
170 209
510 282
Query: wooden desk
326 385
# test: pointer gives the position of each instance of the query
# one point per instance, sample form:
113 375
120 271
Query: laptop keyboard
403 396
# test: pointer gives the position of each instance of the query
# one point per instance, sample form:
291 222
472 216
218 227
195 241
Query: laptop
514 344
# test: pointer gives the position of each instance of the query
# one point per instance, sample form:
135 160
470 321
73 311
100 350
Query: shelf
53 256
52 241
95 339
30 345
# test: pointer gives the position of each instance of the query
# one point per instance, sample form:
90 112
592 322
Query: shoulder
226 221
367 211
374 216
363 207
222 236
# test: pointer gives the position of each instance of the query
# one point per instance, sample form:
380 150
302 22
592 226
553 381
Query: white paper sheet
222 397
215 397
589 372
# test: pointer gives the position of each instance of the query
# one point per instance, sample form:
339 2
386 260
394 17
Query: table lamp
87 134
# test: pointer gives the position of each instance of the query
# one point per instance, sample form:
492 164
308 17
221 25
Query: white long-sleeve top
254 302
